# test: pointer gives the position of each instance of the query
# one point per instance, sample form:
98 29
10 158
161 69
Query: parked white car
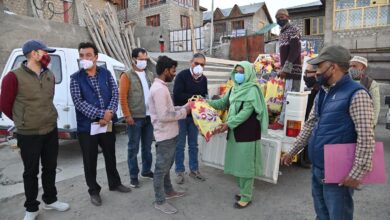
64 62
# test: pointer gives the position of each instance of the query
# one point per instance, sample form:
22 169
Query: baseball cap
36 45
360 59
334 53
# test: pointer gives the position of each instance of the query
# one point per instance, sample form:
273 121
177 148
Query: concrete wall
361 39
15 30
149 37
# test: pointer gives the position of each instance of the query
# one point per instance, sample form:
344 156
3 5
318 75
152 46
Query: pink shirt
163 114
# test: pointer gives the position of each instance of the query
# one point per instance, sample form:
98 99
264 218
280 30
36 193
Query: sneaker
196 175
31 215
174 194
166 208
96 200
147 176
180 178
134 182
276 126
59 206
121 188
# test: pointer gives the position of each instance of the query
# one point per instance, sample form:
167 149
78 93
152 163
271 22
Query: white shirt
145 87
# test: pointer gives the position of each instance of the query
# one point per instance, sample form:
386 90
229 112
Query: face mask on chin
322 79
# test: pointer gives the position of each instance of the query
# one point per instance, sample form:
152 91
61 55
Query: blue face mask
239 77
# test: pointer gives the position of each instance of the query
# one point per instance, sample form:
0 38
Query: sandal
237 197
238 206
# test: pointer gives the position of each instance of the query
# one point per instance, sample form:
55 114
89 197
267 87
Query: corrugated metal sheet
246 48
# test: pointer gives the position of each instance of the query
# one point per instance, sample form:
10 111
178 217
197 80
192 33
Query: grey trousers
165 156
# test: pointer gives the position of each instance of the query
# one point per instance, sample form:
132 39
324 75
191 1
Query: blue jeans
142 131
331 202
188 129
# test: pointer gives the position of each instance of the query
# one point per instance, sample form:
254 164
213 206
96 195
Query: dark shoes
96 200
238 206
121 188
147 176
134 182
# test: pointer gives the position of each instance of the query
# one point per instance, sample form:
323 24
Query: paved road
213 199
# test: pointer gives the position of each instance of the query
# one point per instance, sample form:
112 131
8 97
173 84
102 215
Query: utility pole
212 28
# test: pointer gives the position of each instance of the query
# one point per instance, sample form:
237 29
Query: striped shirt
362 113
89 110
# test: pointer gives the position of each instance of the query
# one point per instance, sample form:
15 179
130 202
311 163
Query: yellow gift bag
205 117
274 94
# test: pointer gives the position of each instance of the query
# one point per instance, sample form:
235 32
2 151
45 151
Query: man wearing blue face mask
188 83
343 113
134 87
290 59
357 69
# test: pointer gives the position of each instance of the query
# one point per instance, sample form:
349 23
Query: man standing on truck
26 97
134 87
343 113
95 96
290 60
188 83
358 71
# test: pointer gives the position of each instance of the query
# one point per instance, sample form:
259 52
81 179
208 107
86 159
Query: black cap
36 45
334 53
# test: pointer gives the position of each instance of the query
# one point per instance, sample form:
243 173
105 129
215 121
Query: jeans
331 202
291 85
33 148
142 131
89 146
165 155
187 128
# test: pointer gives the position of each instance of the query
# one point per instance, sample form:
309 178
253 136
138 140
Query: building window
187 3
220 28
121 4
151 3
357 14
184 21
236 25
314 26
153 20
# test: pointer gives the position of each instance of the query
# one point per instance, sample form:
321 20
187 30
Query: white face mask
197 71
141 64
86 64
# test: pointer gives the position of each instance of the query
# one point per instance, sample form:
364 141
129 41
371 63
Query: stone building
160 17
240 20
65 11
310 18
363 26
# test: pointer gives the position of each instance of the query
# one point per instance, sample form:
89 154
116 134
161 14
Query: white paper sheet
97 129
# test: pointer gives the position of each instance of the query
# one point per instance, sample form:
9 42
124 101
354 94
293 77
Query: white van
64 62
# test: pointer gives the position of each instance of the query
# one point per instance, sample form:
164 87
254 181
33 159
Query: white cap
361 60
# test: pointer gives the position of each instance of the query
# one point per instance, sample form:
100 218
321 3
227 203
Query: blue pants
188 129
142 131
331 202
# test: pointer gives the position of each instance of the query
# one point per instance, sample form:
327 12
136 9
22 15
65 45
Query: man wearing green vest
134 87
26 97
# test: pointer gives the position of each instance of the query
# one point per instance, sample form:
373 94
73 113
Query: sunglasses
201 64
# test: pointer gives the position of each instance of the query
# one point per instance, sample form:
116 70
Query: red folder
339 160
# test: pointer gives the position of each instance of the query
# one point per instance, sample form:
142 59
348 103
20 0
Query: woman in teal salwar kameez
247 118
